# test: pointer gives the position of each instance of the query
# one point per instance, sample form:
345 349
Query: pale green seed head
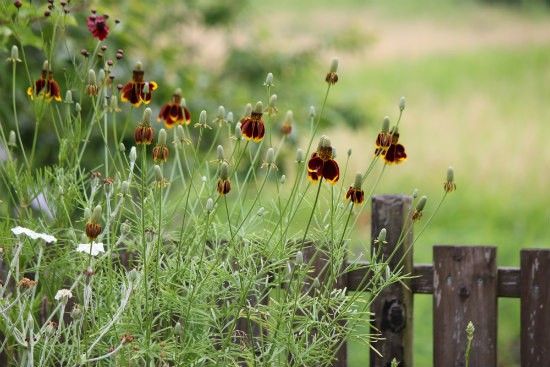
96 214
259 108
224 171
334 65
147 113
202 117
162 137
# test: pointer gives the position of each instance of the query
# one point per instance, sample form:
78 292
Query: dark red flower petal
98 27
260 131
315 163
395 154
313 176
247 128
175 112
187 116
54 90
331 171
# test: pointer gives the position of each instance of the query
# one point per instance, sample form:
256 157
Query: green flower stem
16 119
144 242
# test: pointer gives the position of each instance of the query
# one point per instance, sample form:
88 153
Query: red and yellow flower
322 165
45 86
355 194
253 127
138 91
224 185
388 147
173 112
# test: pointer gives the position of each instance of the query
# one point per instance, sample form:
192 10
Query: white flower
32 234
94 248
63 295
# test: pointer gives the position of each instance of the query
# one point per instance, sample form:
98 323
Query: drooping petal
54 90
164 112
315 163
187 115
247 128
175 112
331 171
395 154
129 94
313 176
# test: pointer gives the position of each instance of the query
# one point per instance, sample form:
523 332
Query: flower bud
299 155
180 133
349 152
394 363
11 139
147 116
133 155
470 329
386 125
69 97
312 112
421 203
259 108
229 117
270 156
87 214
101 75
96 214
324 142
382 236
248 109
125 228
415 193
46 65
224 171
299 260
15 54
220 153
402 103
282 180
77 107
450 174
138 66
273 100
238 132
178 329
121 147
125 187
91 77
269 80
221 113
334 65
358 180
202 118
162 137
209 205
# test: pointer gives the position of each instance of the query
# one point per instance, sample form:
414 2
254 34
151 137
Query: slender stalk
16 119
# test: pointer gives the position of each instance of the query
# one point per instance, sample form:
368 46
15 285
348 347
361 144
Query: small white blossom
94 248
32 234
63 295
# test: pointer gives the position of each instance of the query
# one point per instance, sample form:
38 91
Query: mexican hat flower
322 165
174 112
252 127
138 91
45 86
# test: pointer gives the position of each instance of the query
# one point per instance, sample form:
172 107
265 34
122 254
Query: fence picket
465 289
535 308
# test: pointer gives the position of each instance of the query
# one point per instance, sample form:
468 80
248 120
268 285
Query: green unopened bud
138 66
114 104
312 113
87 214
101 75
202 118
224 171
91 77
77 107
159 177
220 153
402 103
259 108
229 118
11 139
450 174
349 152
96 214
69 97
358 180
178 329
382 236
282 180
180 133
133 155
299 258
273 100
162 137
14 54
470 329
183 102
334 65
209 205
289 118
299 155
125 187
421 203
146 88
386 125
46 65
221 113
270 156
121 147
248 109
415 193
394 363
238 132
269 80
147 116
324 142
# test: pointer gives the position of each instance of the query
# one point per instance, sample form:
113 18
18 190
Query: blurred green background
476 76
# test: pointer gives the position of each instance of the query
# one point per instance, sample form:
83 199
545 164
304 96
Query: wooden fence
465 283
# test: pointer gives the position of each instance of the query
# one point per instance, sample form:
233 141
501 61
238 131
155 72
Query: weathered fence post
465 289
393 307
535 307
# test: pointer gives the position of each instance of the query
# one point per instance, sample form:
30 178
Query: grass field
476 80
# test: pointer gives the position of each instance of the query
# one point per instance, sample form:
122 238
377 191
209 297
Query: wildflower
63 295
286 127
388 147
202 121
160 151
32 234
175 111
384 138
93 227
224 185
144 133
159 177
355 194
269 159
269 80
17 4
138 91
332 76
450 185
97 26
26 283
220 117
252 127
322 165
93 248
14 56
92 87
417 213
45 86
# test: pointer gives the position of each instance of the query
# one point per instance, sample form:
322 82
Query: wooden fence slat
535 308
393 307
465 289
